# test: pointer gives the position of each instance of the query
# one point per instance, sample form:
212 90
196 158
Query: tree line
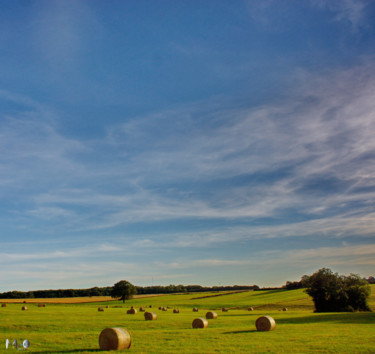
107 291
59 293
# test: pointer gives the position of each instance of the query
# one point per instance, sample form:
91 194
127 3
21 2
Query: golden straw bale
211 315
195 309
132 311
150 316
142 309
41 305
265 323
24 308
3 305
114 339
200 323
224 309
100 309
165 309
285 309
250 309
176 311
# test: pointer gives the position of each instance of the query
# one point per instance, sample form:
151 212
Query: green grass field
75 328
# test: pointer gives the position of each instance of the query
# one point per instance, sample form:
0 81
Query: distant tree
123 290
334 293
305 281
292 285
69 293
95 291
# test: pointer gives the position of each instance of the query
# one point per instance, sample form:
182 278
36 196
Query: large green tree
332 292
123 290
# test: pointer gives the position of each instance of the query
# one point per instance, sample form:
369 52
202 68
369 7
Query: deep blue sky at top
130 57
185 141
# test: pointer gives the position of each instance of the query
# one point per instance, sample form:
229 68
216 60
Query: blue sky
185 142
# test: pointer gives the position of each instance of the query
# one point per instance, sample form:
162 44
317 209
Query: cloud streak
313 153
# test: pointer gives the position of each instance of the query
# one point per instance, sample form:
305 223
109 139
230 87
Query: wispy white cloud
321 136
345 259
263 12
64 251
334 227
198 263
180 268
345 10
355 256
312 153
58 32
32 150
39 276
50 272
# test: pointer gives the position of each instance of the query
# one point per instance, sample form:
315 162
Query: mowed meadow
75 327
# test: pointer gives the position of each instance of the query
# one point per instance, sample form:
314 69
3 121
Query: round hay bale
211 315
200 323
24 308
107 307
224 309
265 323
41 305
151 316
142 309
150 306
132 311
195 309
160 308
164 309
250 309
285 309
176 311
114 339
100 309
3 305
24 302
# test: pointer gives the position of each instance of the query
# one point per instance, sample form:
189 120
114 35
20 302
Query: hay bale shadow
241 332
71 351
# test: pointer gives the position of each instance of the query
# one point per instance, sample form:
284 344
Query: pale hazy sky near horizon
185 142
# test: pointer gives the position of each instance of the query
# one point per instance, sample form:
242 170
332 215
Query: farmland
75 327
